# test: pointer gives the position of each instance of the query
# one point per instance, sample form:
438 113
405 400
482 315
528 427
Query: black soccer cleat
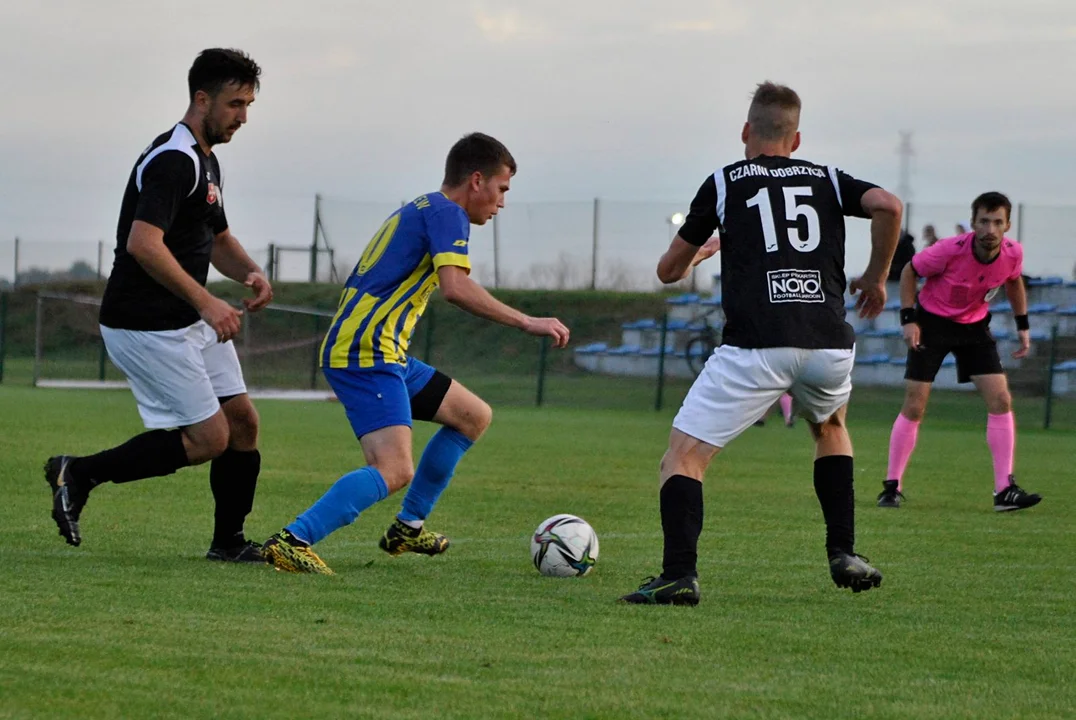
890 497
1014 497
849 570
68 497
247 552
659 591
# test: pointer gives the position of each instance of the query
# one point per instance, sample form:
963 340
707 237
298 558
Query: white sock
416 524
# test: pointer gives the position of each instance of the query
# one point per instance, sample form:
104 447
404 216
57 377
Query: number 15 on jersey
793 211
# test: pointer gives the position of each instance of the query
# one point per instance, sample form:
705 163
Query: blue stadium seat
686 299
884 332
654 352
875 359
644 324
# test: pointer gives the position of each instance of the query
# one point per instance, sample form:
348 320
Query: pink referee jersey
958 286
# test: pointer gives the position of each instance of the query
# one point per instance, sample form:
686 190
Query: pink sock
901 445
786 407
1001 437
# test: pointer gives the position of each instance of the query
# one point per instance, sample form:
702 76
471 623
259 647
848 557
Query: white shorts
737 386
176 375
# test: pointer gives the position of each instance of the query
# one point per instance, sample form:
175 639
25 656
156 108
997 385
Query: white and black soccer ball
564 546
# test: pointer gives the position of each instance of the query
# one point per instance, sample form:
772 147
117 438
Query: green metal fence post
3 326
102 356
543 349
661 361
1050 379
316 355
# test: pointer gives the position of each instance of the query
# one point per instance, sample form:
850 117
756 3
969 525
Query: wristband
907 316
1022 322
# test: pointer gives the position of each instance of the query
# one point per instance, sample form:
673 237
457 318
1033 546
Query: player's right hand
549 327
871 300
708 249
911 335
222 317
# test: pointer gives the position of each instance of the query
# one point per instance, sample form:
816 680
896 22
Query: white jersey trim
181 140
719 181
836 184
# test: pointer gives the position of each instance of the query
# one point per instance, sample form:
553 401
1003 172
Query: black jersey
781 223
176 187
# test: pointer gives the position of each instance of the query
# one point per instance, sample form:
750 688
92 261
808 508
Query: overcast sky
623 100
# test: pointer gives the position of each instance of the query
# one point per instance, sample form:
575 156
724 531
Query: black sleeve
852 191
166 182
219 221
702 218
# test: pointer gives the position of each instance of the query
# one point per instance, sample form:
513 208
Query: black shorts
427 401
972 345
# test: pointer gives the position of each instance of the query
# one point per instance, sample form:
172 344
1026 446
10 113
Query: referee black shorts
972 345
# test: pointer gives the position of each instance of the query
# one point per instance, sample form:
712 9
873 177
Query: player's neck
457 195
195 127
753 150
983 255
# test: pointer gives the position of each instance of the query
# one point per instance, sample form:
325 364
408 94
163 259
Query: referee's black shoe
1014 497
68 497
890 497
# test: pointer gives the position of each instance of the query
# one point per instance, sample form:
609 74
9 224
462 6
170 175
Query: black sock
833 485
681 522
151 454
233 478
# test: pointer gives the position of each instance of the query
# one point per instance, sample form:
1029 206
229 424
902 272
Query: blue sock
443 452
348 497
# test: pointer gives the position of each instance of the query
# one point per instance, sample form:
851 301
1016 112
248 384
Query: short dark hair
476 152
216 67
775 111
989 202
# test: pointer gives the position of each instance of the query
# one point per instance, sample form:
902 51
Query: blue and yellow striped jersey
388 290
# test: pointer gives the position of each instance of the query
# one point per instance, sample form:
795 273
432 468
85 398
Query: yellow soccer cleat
287 553
400 538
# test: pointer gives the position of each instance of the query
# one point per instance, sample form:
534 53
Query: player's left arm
231 260
449 232
695 241
1017 294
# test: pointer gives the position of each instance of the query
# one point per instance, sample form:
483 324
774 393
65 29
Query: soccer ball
564 546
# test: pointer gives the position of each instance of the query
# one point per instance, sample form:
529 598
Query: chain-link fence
628 352
590 244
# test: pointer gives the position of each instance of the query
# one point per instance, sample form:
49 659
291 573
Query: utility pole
906 153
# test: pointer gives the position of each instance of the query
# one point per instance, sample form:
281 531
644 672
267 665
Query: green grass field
975 617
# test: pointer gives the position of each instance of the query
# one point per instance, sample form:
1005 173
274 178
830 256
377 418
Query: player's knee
688 464
397 475
206 441
914 411
915 406
243 423
481 418
1000 402
831 426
